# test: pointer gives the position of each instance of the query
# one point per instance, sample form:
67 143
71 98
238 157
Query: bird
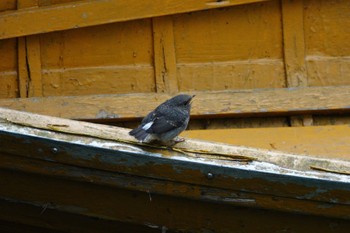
165 122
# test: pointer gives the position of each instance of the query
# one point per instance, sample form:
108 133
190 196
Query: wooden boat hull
47 174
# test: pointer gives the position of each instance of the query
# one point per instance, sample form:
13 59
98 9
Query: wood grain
8 69
294 51
321 141
326 25
35 87
71 128
294 43
206 104
164 55
23 72
26 70
93 12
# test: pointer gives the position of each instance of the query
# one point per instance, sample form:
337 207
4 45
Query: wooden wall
58 48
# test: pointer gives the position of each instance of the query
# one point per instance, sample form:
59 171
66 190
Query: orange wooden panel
105 45
113 58
327 33
232 48
205 105
54 2
96 12
322 141
8 69
8 5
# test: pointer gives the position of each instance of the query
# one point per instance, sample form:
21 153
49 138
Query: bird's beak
192 99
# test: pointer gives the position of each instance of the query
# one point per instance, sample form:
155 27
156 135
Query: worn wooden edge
88 13
272 169
326 141
190 146
252 102
153 186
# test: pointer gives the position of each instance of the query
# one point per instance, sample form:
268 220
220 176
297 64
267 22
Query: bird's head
180 101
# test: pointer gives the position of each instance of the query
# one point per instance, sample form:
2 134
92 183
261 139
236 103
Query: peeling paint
103 114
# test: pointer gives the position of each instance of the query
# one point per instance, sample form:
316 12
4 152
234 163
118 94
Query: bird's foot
178 139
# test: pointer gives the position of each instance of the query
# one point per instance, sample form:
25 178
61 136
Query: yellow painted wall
265 44
232 48
327 33
238 47
112 58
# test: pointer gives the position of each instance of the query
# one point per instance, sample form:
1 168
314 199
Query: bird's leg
171 143
178 139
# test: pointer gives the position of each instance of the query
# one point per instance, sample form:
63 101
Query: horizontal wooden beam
331 141
281 101
88 13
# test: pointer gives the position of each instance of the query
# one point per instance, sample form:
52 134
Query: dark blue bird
166 122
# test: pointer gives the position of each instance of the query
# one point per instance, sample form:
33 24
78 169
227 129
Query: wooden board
93 12
180 47
206 104
326 35
106 59
322 141
96 157
8 69
233 48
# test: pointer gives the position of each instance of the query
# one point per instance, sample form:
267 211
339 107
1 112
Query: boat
267 147
64 175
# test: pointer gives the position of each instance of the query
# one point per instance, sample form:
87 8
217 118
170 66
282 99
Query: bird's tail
139 133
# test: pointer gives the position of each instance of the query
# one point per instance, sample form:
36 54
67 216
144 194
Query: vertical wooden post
164 55
23 74
294 51
29 60
34 64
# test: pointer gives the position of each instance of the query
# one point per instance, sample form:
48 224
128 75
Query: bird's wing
163 119
162 125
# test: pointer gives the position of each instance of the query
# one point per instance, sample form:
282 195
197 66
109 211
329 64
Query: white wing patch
148 125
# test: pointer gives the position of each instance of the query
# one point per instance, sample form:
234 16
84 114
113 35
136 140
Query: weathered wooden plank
35 87
320 68
241 74
152 188
27 3
100 79
294 43
8 69
121 135
294 51
20 216
23 72
232 48
326 25
69 206
164 55
24 69
321 141
285 101
88 13
8 84
65 157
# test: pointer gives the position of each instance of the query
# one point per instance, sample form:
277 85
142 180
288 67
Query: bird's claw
178 140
